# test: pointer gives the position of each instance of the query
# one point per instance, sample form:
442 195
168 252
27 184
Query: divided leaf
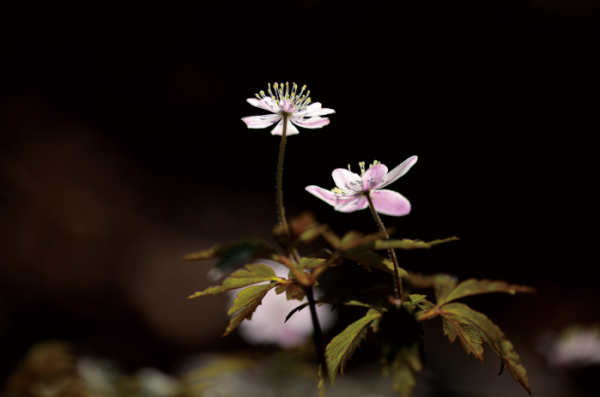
473 327
475 287
253 274
245 304
341 348
407 244
303 229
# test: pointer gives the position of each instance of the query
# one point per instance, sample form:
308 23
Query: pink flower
352 189
298 108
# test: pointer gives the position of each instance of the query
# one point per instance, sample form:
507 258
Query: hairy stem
391 252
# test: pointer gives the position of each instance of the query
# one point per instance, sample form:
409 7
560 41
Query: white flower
297 107
351 192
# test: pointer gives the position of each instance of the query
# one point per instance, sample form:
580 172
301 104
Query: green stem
279 179
392 253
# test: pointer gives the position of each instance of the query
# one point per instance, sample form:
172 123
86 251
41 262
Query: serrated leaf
491 334
407 244
353 239
469 336
245 304
256 273
233 255
310 263
406 363
475 287
341 348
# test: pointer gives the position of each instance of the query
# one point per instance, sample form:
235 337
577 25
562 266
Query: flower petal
397 172
359 203
329 197
313 122
291 129
347 180
389 202
374 176
266 103
261 121
314 109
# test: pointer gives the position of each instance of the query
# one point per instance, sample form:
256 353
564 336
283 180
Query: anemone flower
298 108
352 189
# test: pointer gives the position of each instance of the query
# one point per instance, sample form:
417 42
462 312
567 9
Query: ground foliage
396 325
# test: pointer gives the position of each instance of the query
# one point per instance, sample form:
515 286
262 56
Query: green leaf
292 291
411 301
233 255
475 287
310 263
460 320
341 348
403 368
245 304
253 274
407 244
469 336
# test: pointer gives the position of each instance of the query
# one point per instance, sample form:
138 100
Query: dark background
121 149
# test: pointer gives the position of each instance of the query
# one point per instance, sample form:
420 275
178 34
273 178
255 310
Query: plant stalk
391 252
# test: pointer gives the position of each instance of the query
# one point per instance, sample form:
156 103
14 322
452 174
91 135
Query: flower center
279 93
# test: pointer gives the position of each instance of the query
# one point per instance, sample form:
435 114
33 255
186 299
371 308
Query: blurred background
122 149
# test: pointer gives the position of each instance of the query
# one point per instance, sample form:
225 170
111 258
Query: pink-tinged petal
266 103
291 129
400 170
329 197
261 121
359 203
374 176
347 180
389 202
287 106
314 109
313 122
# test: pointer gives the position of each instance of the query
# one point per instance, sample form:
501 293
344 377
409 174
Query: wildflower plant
395 314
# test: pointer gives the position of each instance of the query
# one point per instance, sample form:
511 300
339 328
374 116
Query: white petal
397 172
266 103
358 204
389 202
313 122
291 129
347 180
261 121
314 109
374 176
329 197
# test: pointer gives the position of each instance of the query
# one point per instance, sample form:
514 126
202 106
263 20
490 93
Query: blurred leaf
310 263
253 274
234 255
245 304
341 348
475 287
406 363
407 244
303 228
462 321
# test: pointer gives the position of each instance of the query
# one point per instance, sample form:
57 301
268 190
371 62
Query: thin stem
317 334
392 253
279 178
